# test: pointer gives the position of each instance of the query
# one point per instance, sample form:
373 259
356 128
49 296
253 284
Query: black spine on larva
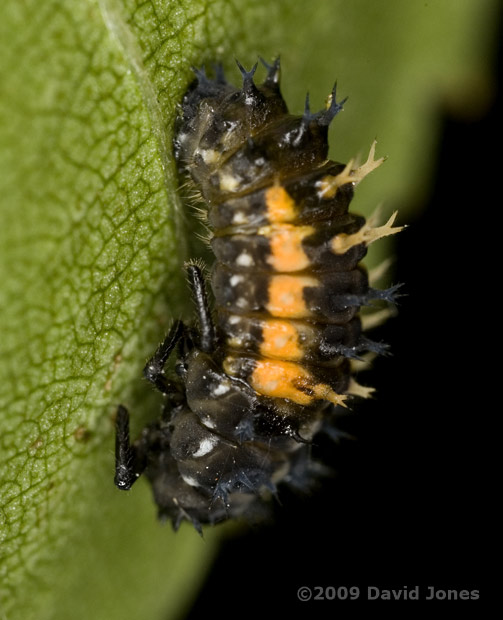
254 388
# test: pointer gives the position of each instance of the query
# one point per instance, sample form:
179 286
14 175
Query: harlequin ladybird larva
264 371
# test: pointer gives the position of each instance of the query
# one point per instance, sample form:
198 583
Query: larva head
216 116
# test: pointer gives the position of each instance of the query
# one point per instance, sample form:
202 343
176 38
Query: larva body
266 368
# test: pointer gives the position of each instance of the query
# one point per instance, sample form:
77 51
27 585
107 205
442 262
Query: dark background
411 504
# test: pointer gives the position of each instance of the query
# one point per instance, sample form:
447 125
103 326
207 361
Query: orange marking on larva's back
286 296
289 380
280 206
285 241
280 339
276 379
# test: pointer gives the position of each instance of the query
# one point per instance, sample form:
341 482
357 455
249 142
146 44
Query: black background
411 505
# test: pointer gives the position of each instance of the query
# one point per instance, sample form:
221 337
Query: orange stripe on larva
288 380
280 206
280 339
286 296
285 241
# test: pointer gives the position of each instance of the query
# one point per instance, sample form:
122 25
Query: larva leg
130 459
154 369
207 338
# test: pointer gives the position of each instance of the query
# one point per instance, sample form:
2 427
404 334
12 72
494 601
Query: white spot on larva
210 156
287 299
239 218
234 319
222 388
236 279
235 342
242 303
205 447
208 422
280 342
190 481
244 260
228 183
270 386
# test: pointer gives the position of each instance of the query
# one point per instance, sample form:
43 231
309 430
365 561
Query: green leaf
93 236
